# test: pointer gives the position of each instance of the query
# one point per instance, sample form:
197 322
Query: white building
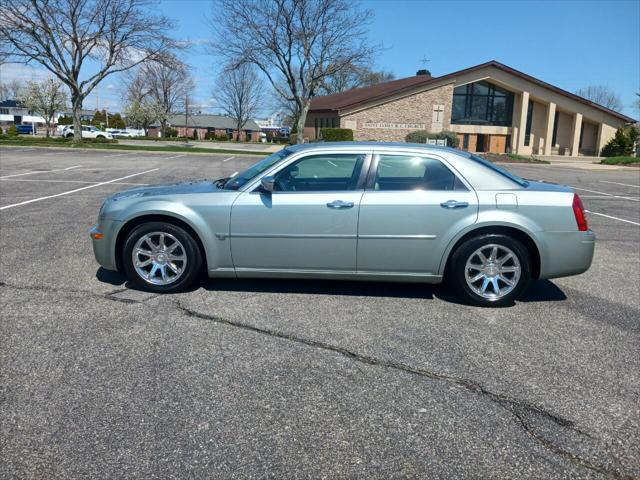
13 113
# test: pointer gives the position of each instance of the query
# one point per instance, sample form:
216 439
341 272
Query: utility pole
186 117
106 114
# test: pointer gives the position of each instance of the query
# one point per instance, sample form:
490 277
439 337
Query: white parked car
88 131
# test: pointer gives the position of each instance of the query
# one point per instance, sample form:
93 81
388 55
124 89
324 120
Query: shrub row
421 136
336 134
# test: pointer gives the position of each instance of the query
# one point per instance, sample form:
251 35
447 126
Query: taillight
578 211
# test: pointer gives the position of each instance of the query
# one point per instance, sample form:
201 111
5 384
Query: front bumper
103 239
567 253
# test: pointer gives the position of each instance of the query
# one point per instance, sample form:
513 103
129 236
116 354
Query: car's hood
180 188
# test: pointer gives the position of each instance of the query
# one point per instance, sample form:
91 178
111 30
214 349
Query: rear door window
411 172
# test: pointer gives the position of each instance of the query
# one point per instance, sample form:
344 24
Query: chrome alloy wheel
492 271
159 258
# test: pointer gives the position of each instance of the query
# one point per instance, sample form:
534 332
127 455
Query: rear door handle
340 204
451 204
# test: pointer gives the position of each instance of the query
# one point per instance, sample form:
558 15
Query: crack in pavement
521 410
524 412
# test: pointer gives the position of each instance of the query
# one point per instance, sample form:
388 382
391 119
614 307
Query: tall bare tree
62 34
239 92
602 95
45 98
11 90
295 43
167 80
351 78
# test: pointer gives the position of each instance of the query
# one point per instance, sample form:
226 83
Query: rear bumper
566 253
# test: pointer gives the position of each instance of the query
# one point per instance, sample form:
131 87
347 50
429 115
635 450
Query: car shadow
538 291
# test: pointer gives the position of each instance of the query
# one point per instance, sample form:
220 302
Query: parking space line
227 159
618 183
117 155
176 156
64 181
41 171
53 153
614 218
607 194
77 189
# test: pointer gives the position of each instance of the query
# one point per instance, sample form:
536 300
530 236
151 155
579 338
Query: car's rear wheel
490 270
161 257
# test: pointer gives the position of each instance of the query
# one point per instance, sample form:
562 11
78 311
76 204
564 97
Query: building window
527 133
482 103
4 111
465 141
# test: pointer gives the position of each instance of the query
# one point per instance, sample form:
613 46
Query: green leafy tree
99 119
622 143
65 120
116 121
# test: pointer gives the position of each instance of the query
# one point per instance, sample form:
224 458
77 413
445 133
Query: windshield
520 181
240 180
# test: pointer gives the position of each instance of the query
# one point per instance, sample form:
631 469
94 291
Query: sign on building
394 125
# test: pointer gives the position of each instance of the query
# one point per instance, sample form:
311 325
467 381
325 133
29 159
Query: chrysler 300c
363 211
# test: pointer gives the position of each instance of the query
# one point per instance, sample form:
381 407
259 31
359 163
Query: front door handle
340 204
451 204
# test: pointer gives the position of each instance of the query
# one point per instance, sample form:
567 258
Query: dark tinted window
481 103
318 173
400 172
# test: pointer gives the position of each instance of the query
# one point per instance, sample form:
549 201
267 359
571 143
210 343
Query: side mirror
268 183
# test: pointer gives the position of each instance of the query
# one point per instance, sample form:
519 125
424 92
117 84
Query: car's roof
482 175
384 145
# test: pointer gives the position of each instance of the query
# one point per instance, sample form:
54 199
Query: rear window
514 178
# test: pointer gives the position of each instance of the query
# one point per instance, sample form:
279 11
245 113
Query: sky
570 44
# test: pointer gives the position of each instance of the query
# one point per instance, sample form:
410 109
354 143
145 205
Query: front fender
217 252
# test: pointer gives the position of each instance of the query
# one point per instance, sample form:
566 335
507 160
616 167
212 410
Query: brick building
491 107
212 124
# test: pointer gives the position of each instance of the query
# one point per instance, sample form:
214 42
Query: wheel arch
526 238
132 223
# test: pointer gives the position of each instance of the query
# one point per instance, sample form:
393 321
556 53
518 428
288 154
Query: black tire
457 270
189 274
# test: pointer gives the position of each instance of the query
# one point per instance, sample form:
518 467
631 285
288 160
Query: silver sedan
357 211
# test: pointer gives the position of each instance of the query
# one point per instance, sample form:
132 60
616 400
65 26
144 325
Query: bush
171 132
12 131
421 136
336 134
64 120
622 144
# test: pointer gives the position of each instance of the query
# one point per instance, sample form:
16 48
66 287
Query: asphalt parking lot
303 379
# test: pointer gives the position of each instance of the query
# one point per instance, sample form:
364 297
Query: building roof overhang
362 97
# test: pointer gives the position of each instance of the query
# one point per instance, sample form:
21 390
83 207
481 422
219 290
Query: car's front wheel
161 257
490 270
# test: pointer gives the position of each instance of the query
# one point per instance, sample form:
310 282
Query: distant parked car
357 211
26 129
120 133
88 131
